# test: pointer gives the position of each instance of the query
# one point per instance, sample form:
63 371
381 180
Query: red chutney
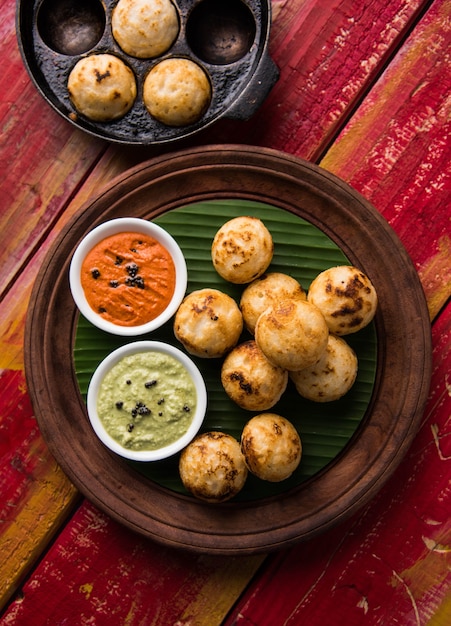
128 278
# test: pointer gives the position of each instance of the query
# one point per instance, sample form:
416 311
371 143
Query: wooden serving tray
403 355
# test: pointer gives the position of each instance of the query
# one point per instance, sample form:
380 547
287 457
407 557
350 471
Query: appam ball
346 297
145 28
292 334
271 447
102 87
212 467
177 92
332 376
242 249
250 380
266 291
208 323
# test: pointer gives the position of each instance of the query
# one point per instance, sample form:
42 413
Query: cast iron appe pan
403 362
228 40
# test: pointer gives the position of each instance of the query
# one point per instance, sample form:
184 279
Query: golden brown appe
145 28
292 334
250 380
242 249
208 323
177 92
346 298
212 467
271 447
265 292
102 87
332 376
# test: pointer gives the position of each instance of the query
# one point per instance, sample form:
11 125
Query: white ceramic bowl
114 227
110 361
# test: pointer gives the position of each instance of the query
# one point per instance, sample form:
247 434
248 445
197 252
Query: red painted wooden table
365 92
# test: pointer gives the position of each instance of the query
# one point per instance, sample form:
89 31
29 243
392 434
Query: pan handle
256 91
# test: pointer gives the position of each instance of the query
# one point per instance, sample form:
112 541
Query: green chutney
147 401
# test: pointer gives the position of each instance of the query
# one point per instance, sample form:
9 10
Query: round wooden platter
403 354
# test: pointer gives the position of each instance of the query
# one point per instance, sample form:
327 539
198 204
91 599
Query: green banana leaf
300 250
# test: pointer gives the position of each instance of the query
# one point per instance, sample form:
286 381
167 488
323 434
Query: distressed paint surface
31 483
390 564
14 300
102 571
396 150
328 54
43 160
399 548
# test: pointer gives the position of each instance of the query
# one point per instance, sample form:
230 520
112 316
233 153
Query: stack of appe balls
176 91
296 334
148 72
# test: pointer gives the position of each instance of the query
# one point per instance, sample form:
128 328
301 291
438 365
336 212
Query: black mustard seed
132 269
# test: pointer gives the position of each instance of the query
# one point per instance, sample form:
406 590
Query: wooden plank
390 564
120 578
30 482
43 159
308 75
44 163
36 495
54 158
14 299
328 53
396 150
346 571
